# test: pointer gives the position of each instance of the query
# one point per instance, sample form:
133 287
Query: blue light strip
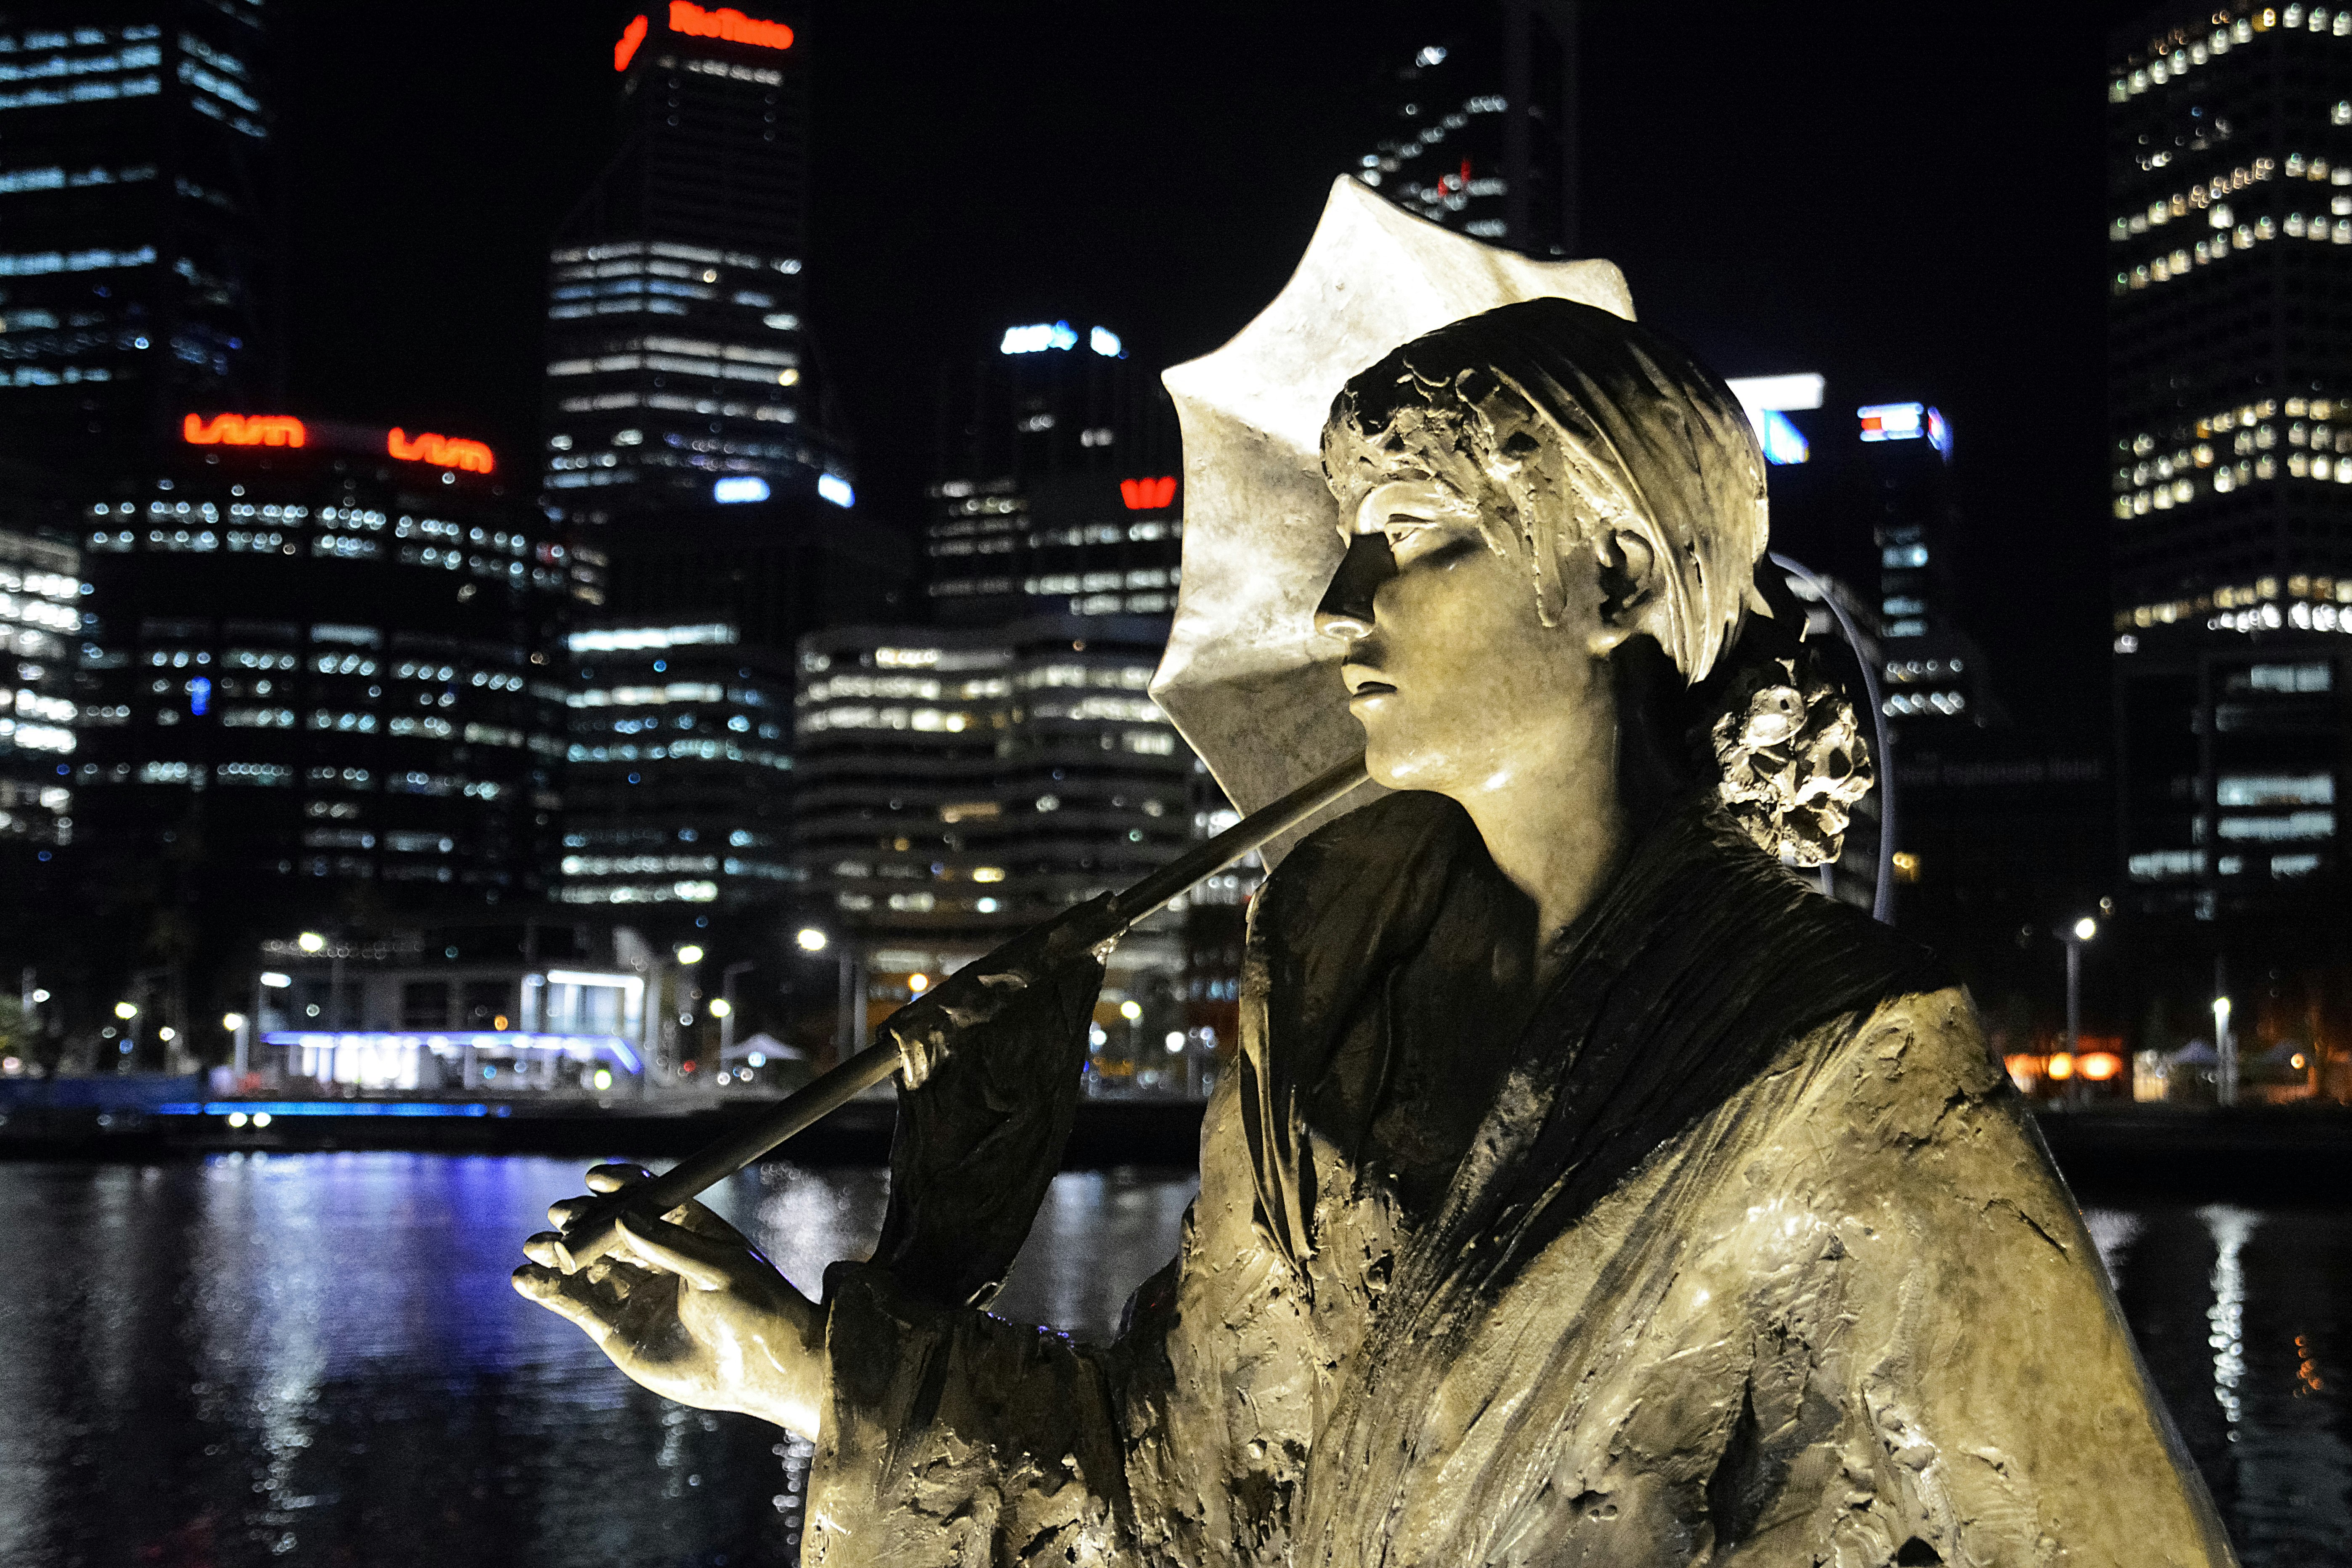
276 1108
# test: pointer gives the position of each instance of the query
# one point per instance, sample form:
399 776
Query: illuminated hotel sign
284 430
441 451
626 50
1147 495
244 430
696 22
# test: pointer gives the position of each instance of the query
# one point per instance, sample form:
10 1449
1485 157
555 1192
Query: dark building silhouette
136 223
1058 489
1475 124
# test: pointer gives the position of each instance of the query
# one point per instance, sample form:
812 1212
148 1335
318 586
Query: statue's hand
689 1307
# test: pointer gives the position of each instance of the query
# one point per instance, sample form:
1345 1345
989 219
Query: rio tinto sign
244 430
441 451
696 22
284 430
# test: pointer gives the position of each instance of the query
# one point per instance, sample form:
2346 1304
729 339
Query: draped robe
1735 1247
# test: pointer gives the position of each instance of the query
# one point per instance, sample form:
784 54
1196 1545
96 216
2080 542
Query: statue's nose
1347 607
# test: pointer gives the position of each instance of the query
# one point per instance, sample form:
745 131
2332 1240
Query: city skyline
1158 177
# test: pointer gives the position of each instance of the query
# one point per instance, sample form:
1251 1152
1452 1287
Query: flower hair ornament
1793 759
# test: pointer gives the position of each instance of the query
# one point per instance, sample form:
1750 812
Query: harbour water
316 1359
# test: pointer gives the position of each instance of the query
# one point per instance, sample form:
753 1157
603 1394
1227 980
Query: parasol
1245 679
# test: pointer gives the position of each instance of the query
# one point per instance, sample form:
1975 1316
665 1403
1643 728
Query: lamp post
2082 930
240 1026
849 1021
128 1012
724 1005
2225 1048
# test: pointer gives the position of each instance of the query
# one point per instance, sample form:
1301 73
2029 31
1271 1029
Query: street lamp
2084 931
312 942
125 1011
689 955
810 939
2225 1048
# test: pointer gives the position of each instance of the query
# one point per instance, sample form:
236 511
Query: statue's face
1459 685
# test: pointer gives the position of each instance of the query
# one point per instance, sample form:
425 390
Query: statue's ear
1632 588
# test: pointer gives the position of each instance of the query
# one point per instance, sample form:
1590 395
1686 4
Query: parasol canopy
1245 679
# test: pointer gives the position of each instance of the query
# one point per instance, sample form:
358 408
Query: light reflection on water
317 1359
2245 1319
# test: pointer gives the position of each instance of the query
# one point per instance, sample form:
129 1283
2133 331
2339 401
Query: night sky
1907 199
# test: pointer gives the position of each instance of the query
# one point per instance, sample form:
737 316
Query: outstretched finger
601 1179
548 1286
707 1263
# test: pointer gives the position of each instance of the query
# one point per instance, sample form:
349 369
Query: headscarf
1582 420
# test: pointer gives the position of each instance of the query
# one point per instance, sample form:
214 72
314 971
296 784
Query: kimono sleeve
952 1437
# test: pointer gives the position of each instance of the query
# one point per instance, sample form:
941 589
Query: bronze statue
1589 1188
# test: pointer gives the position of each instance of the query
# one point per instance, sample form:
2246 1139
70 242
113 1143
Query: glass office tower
2229 344
681 382
135 223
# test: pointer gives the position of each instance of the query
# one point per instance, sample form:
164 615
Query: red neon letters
441 450
244 430
626 50
1147 495
685 16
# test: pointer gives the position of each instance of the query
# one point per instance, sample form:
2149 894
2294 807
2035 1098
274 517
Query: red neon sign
443 451
626 50
244 430
685 16
1147 495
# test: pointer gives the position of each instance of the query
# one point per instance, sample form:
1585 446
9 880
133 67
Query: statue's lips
1368 690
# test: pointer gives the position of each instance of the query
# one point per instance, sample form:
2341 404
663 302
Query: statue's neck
1557 833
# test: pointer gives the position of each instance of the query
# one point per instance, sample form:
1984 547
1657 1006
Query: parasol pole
931 1017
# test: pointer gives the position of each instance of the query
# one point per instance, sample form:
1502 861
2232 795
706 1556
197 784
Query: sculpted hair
1580 422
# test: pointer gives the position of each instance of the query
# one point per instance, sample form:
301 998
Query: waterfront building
2230 362
1476 124
314 669
956 785
135 223
679 754
487 1006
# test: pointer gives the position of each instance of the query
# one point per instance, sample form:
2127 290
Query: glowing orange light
626 50
1147 495
2296 1062
2061 1066
444 451
244 430
728 23
2099 1066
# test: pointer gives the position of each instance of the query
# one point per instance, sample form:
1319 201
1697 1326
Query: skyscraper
1476 124
313 680
1057 490
680 376
2229 367
135 230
